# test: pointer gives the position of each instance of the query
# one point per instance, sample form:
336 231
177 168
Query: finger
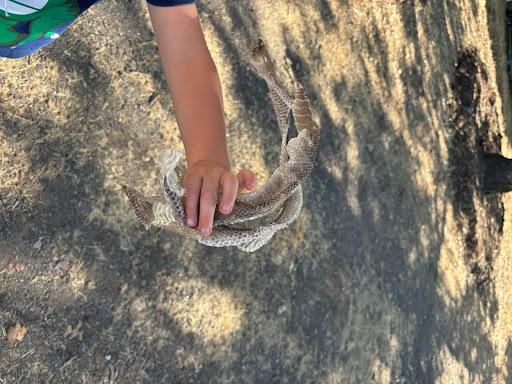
207 204
193 190
246 179
229 185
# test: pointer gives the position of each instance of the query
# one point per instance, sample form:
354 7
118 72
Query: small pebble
16 333
38 244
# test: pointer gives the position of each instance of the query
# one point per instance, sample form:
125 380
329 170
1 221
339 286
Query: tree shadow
308 308
471 140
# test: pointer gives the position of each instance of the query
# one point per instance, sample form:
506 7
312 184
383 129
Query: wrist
215 157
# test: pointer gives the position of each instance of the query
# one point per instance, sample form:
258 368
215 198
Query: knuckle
229 183
189 183
232 178
190 201
208 199
191 206
235 179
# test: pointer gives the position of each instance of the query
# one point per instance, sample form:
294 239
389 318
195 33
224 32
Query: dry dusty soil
397 270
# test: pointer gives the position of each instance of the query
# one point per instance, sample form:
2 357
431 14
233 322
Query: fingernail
225 208
205 230
191 222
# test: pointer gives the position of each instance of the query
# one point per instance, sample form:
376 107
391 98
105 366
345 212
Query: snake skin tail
141 205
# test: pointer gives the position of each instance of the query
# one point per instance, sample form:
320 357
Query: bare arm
197 98
193 82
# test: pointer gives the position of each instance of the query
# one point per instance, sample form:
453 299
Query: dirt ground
397 270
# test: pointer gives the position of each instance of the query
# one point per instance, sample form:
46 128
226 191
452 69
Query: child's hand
203 182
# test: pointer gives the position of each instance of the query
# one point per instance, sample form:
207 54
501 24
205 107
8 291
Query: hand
203 182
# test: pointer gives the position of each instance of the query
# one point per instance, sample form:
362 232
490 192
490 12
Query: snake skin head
261 60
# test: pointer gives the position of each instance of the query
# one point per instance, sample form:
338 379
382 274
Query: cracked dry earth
396 271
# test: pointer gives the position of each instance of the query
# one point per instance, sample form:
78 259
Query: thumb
246 180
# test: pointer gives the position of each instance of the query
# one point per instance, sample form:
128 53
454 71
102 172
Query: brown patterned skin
282 193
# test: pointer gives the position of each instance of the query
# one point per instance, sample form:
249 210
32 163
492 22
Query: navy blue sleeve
168 3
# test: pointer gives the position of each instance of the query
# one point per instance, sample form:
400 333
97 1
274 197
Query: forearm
197 99
193 82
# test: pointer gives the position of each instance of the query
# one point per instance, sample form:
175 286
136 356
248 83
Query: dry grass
398 269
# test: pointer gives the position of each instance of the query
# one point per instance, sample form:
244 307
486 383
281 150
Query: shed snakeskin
276 204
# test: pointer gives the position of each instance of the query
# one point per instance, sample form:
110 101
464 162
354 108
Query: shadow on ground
350 293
